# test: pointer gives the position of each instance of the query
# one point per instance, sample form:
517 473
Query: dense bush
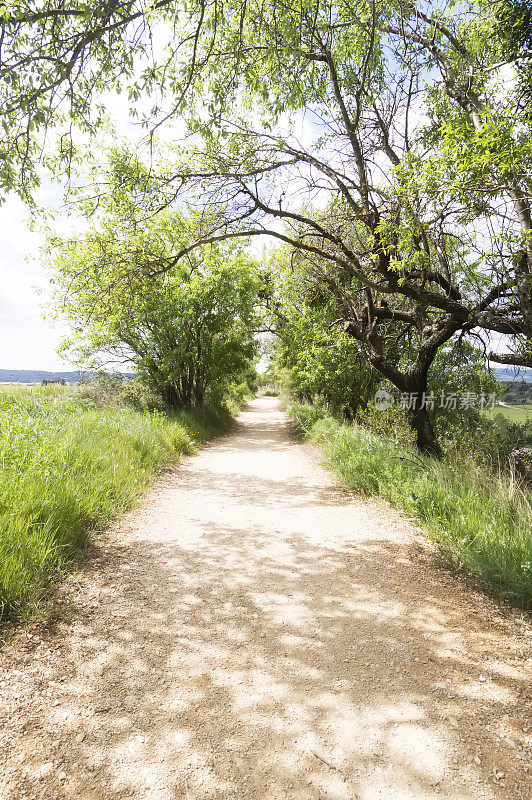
137 394
110 390
185 327
488 441
391 423
305 416
314 359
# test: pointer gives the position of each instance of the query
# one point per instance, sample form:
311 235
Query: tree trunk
422 426
171 396
418 416
199 395
413 385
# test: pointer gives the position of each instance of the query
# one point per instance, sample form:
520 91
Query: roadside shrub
304 416
240 392
489 441
109 390
391 423
101 391
136 394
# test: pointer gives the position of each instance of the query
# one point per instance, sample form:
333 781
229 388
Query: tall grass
481 520
67 468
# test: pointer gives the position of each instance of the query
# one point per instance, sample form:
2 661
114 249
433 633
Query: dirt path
253 632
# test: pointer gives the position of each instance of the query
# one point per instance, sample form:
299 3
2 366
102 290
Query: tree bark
420 423
413 385
171 397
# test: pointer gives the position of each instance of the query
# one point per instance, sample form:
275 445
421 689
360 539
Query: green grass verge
481 522
517 413
66 469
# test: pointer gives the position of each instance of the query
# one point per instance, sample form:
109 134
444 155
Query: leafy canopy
186 326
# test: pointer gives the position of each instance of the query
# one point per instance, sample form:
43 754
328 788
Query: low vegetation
72 459
514 413
480 518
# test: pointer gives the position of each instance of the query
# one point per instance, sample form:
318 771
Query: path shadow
222 676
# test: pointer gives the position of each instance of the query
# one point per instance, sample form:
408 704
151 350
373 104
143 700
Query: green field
67 467
517 413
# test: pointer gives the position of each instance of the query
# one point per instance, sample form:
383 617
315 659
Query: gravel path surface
252 631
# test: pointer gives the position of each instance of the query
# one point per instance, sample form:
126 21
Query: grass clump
67 467
481 520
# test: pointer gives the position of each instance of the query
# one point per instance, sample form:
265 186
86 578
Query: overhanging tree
420 237
58 60
367 75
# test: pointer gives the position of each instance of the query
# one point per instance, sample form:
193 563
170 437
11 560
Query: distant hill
39 375
508 374
516 392
517 388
